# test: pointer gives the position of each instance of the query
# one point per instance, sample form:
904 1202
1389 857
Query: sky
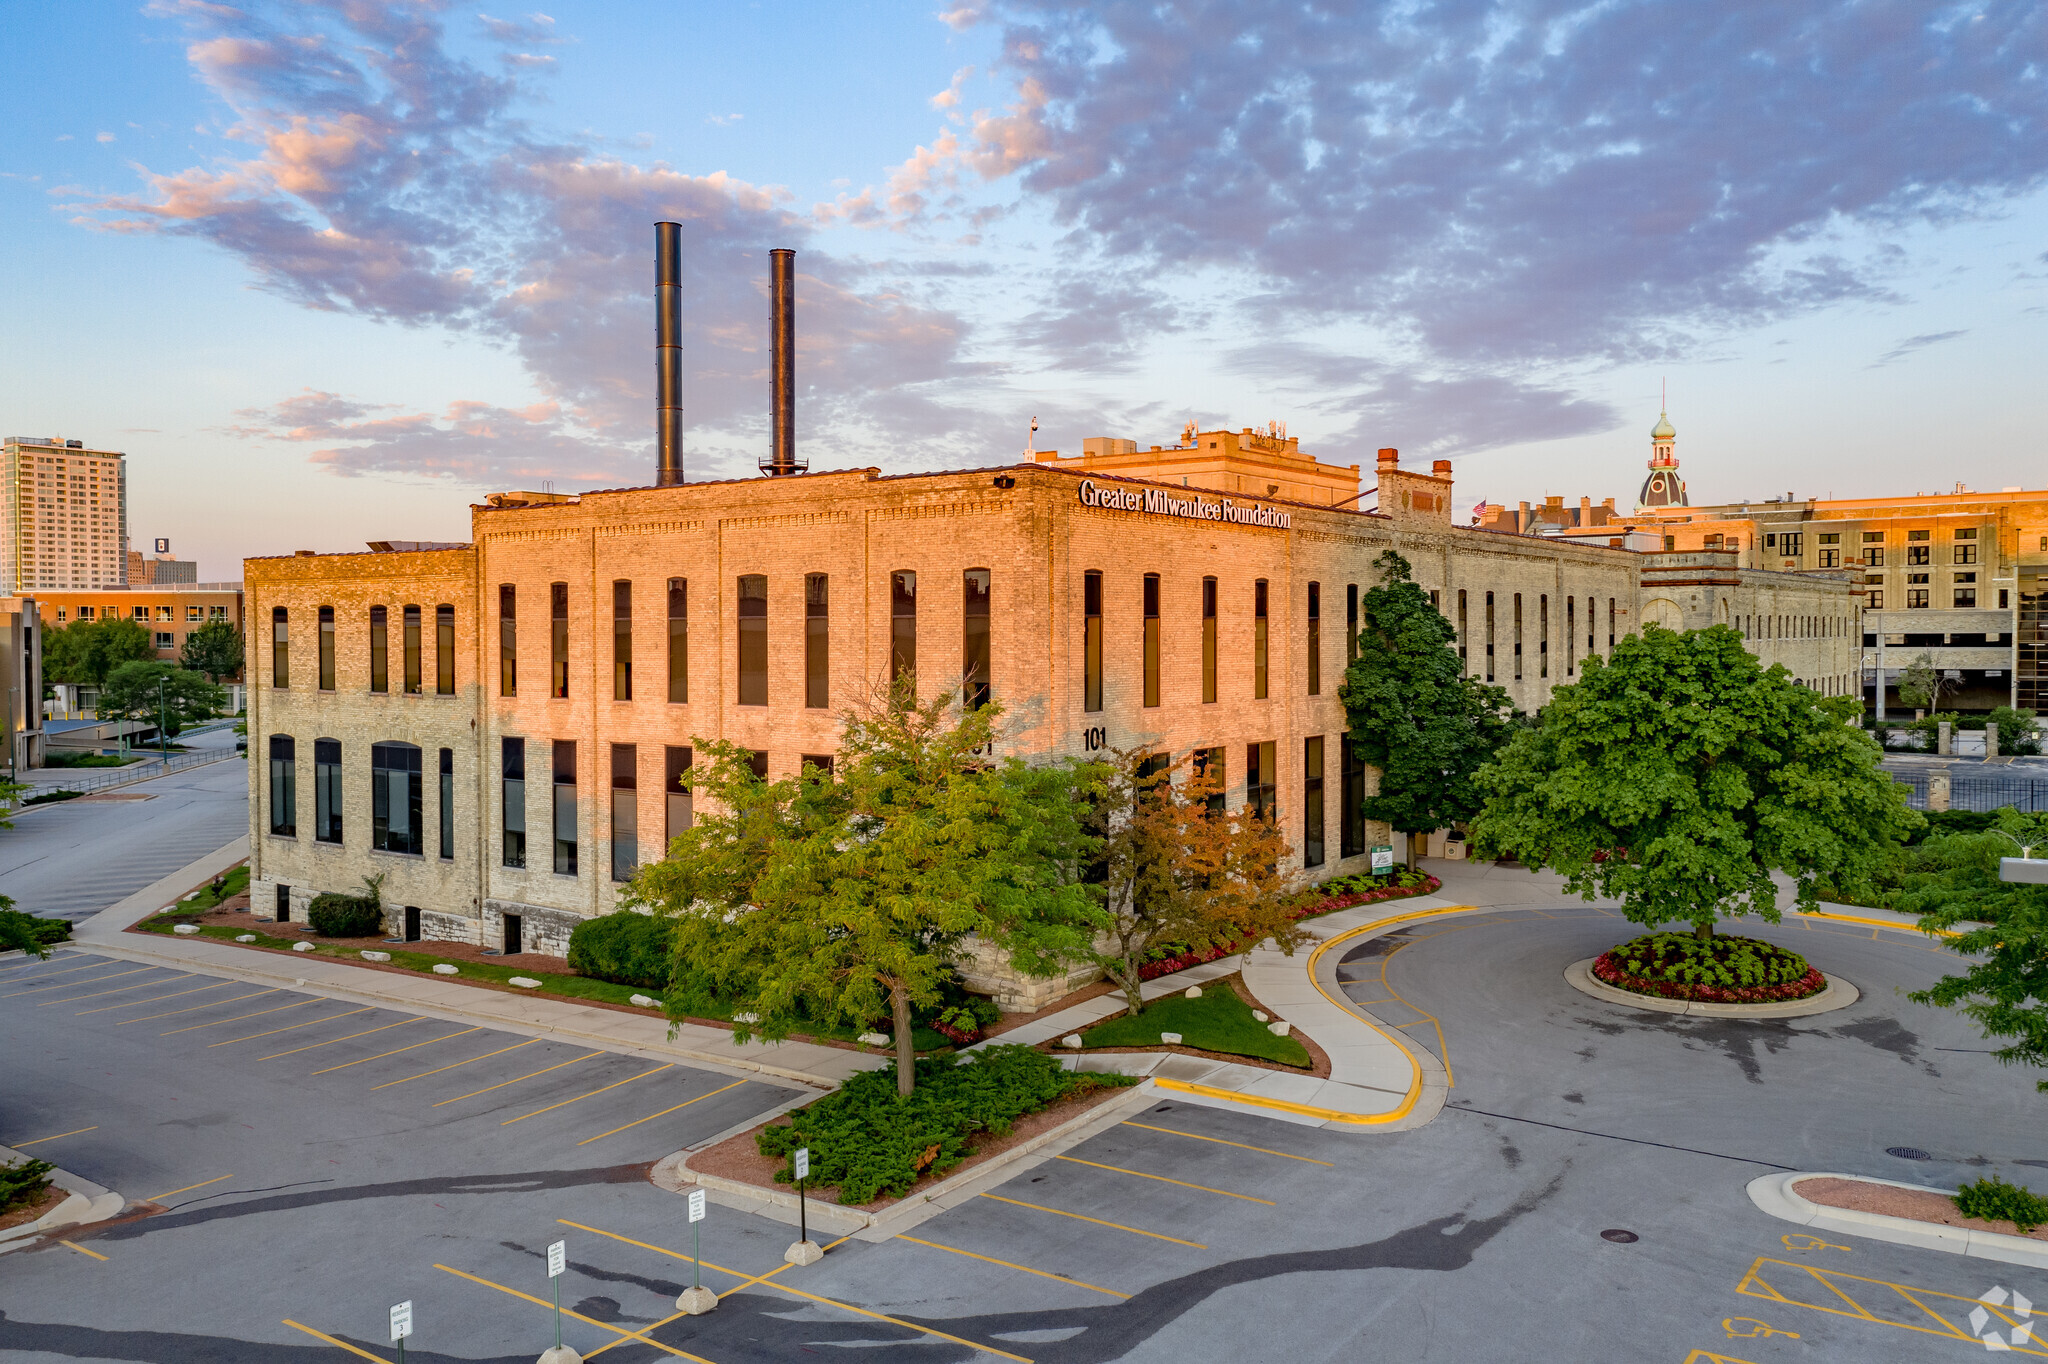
328 272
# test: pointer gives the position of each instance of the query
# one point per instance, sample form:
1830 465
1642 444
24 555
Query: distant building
161 569
63 515
1663 487
170 611
1552 518
21 684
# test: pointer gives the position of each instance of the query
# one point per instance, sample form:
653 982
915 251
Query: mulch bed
34 1208
1319 1060
739 1158
1858 1196
1608 973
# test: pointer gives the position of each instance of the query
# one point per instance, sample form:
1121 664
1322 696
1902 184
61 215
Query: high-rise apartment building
64 522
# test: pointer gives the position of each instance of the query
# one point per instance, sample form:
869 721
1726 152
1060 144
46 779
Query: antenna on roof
1031 441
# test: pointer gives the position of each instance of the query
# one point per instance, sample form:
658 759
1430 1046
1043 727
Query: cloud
103 137
469 442
723 120
1914 343
1094 322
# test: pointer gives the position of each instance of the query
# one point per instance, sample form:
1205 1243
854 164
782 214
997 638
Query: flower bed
1717 970
1328 904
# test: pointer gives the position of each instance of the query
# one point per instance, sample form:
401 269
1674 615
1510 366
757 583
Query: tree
215 649
131 692
86 651
1679 774
1175 871
1922 685
1414 713
18 931
851 893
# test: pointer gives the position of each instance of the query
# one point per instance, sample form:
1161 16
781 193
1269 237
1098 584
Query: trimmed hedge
626 948
345 916
1716 970
1994 1200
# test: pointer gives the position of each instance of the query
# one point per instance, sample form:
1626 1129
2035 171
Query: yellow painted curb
1874 923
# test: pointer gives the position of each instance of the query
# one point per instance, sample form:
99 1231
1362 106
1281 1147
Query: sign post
697 1299
1382 858
401 1326
558 1260
804 1252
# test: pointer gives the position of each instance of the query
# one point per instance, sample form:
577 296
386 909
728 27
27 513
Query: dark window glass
558 639
280 648
327 790
513 804
1259 622
1091 641
678 640
1315 642
284 786
1208 640
757 763
1571 636
1351 819
1312 801
444 651
1610 627
564 787
622 641
1351 622
1462 636
1489 631
753 621
508 640
326 648
412 651
447 804
1260 778
975 686
380 649
903 626
817 641
1151 639
1210 767
395 799
821 761
1518 636
1543 634
625 811
675 787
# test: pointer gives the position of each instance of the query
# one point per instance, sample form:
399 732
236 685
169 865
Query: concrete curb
1839 994
87 1203
1775 1194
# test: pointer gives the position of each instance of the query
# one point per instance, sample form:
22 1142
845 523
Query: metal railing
91 780
1982 792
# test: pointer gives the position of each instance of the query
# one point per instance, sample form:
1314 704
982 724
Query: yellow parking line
40 989
215 1004
309 1023
393 1052
197 989
1076 1160
315 1046
117 990
82 1250
1056 1278
543 1302
1136 1231
474 1092
664 1113
438 1069
337 1344
581 1097
1193 1136
159 1197
239 1017
40 1140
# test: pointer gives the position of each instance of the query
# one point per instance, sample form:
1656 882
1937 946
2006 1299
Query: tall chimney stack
668 354
782 364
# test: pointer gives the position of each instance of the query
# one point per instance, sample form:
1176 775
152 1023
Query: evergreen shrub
1994 1200
626 948
345 916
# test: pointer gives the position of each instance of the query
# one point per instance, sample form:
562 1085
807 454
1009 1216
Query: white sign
1382 858
696 1205
1161 502
401 1320
803 1162
558 1259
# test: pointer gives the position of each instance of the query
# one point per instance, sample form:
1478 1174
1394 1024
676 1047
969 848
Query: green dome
1663 430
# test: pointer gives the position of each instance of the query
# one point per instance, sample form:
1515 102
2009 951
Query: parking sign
401 1320
558 1258
696 1205
803 1162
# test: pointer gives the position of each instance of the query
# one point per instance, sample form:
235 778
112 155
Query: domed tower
1663 488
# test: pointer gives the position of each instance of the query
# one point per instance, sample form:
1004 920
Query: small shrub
44 931
626 948
23 1182
1682 959
345 916
1993 1200
2018 735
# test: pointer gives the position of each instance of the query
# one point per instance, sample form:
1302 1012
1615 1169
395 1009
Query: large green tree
215 649
851 894
1679 774
131 692
1414 713
86 651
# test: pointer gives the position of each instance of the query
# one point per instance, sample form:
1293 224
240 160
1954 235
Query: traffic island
1723 976
1902 1214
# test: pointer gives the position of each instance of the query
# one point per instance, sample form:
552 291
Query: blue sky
328 271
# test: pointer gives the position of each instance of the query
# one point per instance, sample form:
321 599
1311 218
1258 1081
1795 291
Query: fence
1980 791
89 780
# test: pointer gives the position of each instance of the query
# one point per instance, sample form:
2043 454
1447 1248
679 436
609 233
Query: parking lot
320 1161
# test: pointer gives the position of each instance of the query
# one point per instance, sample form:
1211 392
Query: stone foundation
542 930
986 970
263 899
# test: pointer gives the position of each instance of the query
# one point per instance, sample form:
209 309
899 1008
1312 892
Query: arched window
395 798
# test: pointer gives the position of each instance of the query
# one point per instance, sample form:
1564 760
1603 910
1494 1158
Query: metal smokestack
782 364
668 353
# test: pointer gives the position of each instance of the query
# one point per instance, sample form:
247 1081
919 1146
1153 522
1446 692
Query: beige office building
64 518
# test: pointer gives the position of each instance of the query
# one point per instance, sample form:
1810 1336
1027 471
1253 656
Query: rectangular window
327 790
1830 538
326 648
1916 598
1917 577
814 764
412 651
447 804
1351 820
1312 801
757 763
753 622
563 783
1259 622
622 641
1876 602
1260 776
1966 554
1967 533
1830 558
1873 537
1315 639
1489 636
508 640
1966 596
1610 625
1543 634
1919 534
166 639
1210 767
675 786
1919 554
444 650
1351 622
558 640
1571 636
513 804
1091 640
1873 558
678 641
284 787
817 641
1208 640
1791 544
625 811
1518 636
395 799
903 626
280 648
1463 635
1151 641
976 686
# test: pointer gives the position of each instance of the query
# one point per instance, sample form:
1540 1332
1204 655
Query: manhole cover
1618 1236
1907 1153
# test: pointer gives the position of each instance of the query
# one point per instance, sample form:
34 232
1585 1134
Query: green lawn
1218 1021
